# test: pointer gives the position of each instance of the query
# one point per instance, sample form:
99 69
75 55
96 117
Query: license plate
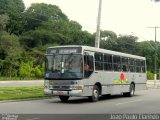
60 92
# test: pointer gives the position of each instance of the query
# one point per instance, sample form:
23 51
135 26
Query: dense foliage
26 33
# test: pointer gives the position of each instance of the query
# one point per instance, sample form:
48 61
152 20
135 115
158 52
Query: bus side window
88 65
124 63
138 66
116 63
107 62
98 61
143 66
132 65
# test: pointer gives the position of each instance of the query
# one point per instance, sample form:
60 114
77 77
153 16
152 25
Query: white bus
88 71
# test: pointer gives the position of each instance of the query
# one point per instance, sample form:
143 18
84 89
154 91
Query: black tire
64 98
131 91
95 94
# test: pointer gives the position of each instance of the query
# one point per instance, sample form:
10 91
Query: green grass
2 78
14 93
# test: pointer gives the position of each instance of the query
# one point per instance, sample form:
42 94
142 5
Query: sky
126 17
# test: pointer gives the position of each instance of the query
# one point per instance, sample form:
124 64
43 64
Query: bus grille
59 87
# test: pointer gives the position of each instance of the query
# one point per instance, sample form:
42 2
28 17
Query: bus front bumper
65 93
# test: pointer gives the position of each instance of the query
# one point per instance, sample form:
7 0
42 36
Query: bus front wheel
64 98
95 94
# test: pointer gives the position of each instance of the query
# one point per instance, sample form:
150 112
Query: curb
29 99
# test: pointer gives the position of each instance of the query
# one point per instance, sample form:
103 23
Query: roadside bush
25 70
150 75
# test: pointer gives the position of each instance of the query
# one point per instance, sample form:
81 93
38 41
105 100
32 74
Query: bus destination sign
64 50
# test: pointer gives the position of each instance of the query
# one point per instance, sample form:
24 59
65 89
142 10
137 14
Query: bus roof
94 49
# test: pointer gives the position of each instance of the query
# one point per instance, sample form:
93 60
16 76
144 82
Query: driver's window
88 65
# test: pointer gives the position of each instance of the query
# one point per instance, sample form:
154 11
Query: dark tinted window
138 66
98 61
107 62
116 63
124 64
131 65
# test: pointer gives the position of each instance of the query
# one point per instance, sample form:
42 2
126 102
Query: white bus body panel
106 79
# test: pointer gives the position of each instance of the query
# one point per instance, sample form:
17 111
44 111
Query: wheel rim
95 94
132 90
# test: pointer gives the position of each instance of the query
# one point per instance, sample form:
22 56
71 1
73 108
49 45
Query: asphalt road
146 101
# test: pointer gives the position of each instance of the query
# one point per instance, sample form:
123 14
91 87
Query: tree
9 6
10 53
14 9
145 49
82 38
40 37
40 12
126 43
64 30
108 40
158 60
105 35
3 21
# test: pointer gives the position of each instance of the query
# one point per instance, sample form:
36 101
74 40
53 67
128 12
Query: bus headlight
79 87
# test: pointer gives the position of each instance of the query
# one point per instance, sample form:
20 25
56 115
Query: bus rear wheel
95 94
131 91
64 98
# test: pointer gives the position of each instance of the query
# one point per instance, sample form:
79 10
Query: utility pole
97 39
155 55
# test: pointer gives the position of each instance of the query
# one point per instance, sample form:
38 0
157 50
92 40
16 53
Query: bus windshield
64 66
